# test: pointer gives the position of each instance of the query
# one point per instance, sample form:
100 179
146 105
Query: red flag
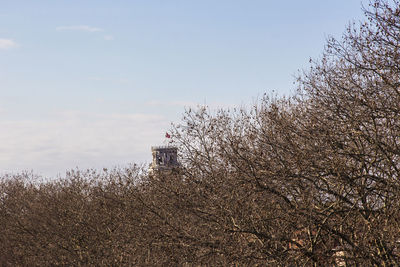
167 135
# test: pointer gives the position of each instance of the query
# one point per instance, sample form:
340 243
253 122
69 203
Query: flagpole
167 136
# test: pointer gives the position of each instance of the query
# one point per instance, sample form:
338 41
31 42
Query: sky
96 83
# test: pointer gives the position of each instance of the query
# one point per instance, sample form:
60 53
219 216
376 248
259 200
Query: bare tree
309 180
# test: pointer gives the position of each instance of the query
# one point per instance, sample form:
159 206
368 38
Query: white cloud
7 44
76 139
159 103
108 37
84 28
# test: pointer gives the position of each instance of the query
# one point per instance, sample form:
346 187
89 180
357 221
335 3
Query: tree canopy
307 180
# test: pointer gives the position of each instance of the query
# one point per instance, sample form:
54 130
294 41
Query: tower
165 159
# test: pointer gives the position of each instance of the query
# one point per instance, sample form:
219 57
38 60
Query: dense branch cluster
310 180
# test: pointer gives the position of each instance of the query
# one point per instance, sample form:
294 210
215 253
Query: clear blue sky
95 83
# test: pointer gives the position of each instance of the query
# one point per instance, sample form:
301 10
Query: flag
167 135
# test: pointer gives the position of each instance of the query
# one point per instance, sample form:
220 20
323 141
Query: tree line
306 180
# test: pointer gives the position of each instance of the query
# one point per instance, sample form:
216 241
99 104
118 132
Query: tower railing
163 147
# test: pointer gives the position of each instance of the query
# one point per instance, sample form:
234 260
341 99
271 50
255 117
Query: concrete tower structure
165 158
